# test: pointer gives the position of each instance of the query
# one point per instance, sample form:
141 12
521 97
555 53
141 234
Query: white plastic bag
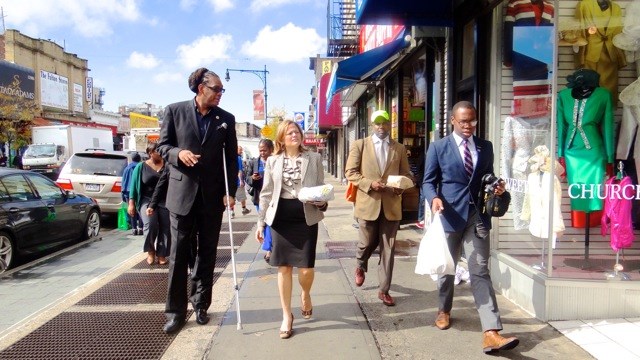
434 257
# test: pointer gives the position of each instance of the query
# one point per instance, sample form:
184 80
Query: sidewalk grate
238 226
130 288
101 335
238 239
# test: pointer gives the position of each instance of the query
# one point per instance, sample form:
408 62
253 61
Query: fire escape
342 28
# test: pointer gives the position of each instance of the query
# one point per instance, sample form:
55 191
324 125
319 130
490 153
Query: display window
570 109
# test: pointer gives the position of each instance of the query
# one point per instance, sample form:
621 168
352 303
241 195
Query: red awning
328 118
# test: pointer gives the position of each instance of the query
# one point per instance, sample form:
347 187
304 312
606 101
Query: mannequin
585 117
536 203
601 21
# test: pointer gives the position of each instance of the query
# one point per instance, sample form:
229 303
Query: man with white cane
194 137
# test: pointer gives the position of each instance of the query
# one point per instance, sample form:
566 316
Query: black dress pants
206 221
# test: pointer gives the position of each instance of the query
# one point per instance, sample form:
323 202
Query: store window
568 148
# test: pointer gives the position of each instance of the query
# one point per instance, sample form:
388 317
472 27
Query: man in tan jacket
377 207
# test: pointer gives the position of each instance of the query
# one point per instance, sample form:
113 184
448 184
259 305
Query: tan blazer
312 175
362 169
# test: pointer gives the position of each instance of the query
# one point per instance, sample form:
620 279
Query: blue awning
405 12
367 66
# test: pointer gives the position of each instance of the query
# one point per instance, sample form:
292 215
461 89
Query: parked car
96 174
36 215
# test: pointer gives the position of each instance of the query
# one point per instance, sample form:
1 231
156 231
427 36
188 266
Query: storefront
566 147
563 127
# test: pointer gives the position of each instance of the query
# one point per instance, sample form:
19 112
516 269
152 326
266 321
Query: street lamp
262 74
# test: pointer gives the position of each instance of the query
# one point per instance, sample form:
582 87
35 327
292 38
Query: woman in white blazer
293 224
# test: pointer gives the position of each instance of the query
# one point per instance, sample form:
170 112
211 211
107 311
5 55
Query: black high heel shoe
285 334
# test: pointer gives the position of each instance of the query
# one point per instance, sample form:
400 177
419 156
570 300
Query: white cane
233 257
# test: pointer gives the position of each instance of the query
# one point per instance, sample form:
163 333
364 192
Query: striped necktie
468 162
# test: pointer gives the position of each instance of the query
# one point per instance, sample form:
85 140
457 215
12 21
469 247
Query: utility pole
2 16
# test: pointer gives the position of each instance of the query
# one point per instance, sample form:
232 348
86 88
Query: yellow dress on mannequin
599 27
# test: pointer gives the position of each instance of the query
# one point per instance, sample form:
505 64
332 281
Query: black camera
490 182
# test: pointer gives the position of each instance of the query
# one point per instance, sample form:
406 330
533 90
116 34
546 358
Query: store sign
54 90
373 36
17 83
88 84
77 97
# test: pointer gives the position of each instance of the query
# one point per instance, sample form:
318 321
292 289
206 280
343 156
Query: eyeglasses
467 123
215 89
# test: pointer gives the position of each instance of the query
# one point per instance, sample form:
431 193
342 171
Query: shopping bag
434 257
351 192
123 223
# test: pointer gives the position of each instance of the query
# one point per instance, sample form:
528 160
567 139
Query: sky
144 50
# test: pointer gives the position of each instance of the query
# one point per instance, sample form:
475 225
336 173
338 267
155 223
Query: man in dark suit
452 181
194 136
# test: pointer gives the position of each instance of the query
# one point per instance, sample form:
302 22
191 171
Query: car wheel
7 252
92 227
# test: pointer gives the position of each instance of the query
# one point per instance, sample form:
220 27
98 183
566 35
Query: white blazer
312 173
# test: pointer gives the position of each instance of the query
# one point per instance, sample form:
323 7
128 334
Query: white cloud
285 45
259 5
88 18
187 4
221 5
142 61
205 50
168 77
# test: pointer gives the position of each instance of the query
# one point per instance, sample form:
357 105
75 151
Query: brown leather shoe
492 341
443 320
386 299
359 276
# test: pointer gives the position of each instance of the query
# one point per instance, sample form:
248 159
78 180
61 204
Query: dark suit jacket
180 132
445 178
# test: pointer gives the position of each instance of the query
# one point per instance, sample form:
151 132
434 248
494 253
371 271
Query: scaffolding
342 28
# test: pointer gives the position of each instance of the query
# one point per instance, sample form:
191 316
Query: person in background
378 207
453 174
241 194
196 195
293 224
135 221
145 176
265 149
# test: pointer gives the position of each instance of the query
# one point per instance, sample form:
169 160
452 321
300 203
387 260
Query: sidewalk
350 322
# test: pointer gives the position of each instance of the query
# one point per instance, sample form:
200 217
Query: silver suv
98 175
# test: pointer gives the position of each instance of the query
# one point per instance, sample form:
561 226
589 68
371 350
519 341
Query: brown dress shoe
492 341
359 276
386 299
443 320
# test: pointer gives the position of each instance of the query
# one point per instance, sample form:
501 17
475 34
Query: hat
626 41
379 114
631 94
569 33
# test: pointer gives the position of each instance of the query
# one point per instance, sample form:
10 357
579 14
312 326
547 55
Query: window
18 188
45 188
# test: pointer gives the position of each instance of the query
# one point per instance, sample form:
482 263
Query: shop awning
367 66
328 116
405 12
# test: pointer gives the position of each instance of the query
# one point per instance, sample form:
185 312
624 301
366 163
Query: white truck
139 138
53 145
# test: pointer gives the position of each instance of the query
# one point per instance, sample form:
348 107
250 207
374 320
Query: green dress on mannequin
586 139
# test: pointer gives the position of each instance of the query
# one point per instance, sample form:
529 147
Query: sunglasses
215 89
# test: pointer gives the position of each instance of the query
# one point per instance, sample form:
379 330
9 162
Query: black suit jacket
180 132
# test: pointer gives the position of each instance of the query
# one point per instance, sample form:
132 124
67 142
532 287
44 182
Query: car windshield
42 150
96 164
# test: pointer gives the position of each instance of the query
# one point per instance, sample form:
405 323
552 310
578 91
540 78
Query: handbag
351 192
434 257
123 221
496 205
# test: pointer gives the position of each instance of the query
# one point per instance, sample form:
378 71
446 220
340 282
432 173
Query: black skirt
294 242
